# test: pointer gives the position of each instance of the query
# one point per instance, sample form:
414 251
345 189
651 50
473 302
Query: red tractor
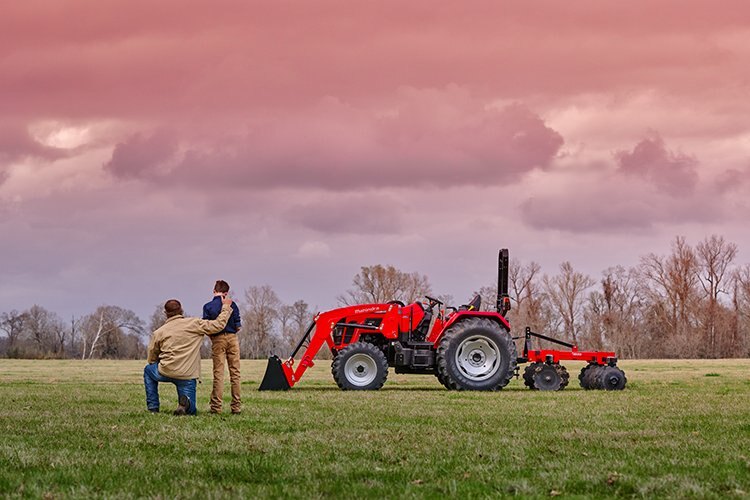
465 348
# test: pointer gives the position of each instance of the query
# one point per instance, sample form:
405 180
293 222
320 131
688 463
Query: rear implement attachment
545 373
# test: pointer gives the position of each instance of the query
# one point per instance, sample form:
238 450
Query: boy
224 345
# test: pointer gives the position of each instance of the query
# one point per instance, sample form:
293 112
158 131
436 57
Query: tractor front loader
465 348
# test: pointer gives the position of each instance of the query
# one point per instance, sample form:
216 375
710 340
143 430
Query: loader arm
282 375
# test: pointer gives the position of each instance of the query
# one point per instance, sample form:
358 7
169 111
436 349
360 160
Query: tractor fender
463 315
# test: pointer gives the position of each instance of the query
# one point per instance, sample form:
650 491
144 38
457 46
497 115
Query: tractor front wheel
360 367
476 354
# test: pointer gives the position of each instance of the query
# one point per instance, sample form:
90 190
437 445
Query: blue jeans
151 379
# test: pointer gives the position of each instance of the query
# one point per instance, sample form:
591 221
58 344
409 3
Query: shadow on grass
384 389
402 389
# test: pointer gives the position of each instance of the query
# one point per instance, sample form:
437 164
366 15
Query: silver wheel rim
478 358
360 370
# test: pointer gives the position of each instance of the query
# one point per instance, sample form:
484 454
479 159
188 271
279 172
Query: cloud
313 249
440 137
190 59
140 156
672 173
339 126
608 209
732 180
629 195
367 213
16 143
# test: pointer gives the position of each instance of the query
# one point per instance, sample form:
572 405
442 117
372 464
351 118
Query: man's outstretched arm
209 327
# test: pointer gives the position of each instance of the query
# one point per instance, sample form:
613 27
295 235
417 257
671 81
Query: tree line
691 303
111 332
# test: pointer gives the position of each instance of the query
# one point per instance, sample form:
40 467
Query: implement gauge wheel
476 354
611 378
549 377
587 377
528 374
360 367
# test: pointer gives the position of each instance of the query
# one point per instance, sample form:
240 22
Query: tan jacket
177 344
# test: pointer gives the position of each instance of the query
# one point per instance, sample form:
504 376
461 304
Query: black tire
442 380
492 352
528 375
546 377
585 378
549 377
611 378
360 367
564 375
590 375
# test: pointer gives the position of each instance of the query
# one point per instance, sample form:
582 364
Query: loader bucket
274 379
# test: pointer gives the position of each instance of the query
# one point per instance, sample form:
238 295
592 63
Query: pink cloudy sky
148 148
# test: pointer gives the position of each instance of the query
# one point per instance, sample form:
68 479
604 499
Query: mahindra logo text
365 310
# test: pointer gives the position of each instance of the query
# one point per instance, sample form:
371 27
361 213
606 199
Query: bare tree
75 327
615 313
286 329
261 313
59 334
741 305
670 285
522 281
39 325
107 333
12 324
566 294
157 319
530 306
378 284
301 319
715 255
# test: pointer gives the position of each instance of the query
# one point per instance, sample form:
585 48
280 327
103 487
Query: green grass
80 429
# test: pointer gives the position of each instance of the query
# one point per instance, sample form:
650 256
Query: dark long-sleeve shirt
212 309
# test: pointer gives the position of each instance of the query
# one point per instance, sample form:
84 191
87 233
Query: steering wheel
433 299
397 302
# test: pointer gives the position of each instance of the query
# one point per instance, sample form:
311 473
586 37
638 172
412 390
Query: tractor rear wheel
611 378
476 354
442 380
360 367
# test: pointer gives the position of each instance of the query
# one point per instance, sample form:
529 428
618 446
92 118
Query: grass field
80 429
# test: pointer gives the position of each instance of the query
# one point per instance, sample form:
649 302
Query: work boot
183 405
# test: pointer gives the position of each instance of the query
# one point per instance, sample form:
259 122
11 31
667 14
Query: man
174 355
224 345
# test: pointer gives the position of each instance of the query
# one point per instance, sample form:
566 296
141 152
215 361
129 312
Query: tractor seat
474 305
422 329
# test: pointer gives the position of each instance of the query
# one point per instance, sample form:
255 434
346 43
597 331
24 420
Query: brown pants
225 345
